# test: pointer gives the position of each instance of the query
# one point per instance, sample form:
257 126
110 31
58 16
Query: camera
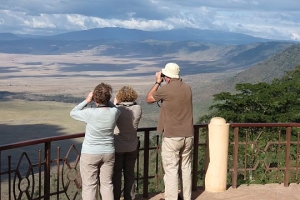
162 75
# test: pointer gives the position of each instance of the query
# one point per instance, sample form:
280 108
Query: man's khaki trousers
176 158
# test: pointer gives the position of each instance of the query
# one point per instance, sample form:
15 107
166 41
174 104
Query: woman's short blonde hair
126 94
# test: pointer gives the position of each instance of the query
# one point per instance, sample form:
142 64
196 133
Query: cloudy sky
273 19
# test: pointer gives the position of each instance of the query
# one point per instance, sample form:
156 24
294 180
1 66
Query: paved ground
244 192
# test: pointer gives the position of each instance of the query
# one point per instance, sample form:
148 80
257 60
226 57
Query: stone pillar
218 139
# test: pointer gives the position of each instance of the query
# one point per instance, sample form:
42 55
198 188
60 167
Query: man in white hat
176 124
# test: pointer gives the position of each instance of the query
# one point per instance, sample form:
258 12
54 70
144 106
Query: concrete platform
245 192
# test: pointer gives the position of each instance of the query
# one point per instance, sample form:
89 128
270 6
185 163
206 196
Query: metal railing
48 168
264 153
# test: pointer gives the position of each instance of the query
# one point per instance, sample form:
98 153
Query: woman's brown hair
102 93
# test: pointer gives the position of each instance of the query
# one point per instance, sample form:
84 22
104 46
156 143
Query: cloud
275 19
295 36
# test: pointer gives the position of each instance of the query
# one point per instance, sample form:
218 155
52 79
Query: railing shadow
19 133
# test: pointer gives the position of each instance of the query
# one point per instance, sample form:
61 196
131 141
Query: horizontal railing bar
146 129
54 138
141 178
7 172
40 141
250 143
78 135
264 124
271 168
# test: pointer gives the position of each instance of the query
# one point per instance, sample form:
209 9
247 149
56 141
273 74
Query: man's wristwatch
158 83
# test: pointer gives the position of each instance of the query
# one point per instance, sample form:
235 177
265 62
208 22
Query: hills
122 34
266 71
197 51
124 42
136 53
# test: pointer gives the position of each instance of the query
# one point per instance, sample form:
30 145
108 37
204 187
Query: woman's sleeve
79 113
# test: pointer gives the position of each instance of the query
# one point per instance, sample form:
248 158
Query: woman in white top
98 151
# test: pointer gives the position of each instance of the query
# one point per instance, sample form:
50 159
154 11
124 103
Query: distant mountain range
212 51
133 35
245 58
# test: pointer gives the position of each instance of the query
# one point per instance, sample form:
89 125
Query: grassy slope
21 120
274 67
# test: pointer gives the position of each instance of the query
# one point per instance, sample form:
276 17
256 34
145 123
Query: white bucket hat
171 70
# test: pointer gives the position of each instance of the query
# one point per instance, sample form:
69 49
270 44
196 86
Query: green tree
262 102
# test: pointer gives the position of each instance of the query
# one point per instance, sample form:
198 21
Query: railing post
57 171
287 156
235 157
146 163
138 165
9 177
216 175
0 176
47 171
195 160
